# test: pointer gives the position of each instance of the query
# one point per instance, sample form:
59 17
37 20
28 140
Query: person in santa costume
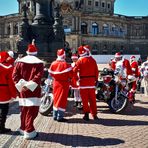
7 90
122 66
61 72
75 83
144 73
135 72
87 68
27 75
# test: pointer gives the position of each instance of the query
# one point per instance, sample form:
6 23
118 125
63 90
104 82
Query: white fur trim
31 85
81 55
74 57
60 72
20 131
4 102
31 53
86 49
61 109
20 84
30 59
11 53
30 135
132 78
133 69
7 67
86 87
34 101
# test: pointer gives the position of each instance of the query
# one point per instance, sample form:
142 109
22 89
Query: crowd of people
22 78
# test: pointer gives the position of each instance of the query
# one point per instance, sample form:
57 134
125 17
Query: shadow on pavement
77 140
109 122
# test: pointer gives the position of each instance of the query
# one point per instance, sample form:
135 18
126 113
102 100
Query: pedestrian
27 75
144 74
7 90
135 73
87 68
75 84
61 72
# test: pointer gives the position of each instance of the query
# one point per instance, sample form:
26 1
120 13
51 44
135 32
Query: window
15 29
84 28
108 6
89 3
106 29
103 4
67 29
95 29
96 4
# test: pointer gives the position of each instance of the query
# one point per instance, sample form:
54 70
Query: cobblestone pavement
129 129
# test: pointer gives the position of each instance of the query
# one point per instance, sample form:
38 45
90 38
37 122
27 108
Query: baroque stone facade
90 22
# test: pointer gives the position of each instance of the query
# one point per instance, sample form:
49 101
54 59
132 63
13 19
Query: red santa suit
88 72
27 75
75 83
61 72
124 70
7 89
135 71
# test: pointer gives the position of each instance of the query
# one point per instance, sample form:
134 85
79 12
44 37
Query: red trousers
88 97
28 115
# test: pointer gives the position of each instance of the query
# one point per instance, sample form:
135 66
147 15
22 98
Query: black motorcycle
46 106
110 89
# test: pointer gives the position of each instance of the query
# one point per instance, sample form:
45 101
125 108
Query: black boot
80 107
3 115
86 117
75 104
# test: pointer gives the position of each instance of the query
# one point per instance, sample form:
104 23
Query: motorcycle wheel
46 105
119 105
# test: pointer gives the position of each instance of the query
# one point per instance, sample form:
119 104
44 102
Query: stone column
42 29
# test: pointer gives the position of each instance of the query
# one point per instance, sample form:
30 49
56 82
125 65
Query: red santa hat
32 49
74 56
3 56
82 51
87 47
132 58
118 55
61 54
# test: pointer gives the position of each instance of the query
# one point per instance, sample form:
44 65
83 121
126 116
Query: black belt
81 77
3 84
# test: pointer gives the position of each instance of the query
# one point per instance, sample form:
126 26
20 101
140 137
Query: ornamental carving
65 7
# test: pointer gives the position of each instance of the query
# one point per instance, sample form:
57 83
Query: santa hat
82 51
87 48
61 54
3 56
74 56
32 49
132 58
118 55
11 53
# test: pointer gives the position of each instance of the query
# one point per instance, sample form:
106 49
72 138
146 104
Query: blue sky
124 7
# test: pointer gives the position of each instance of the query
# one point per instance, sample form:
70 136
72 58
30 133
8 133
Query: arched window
84 28
95 29
115 30
105 29
16 29
8 30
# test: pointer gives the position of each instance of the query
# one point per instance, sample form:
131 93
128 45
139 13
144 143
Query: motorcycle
112 90
46 105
